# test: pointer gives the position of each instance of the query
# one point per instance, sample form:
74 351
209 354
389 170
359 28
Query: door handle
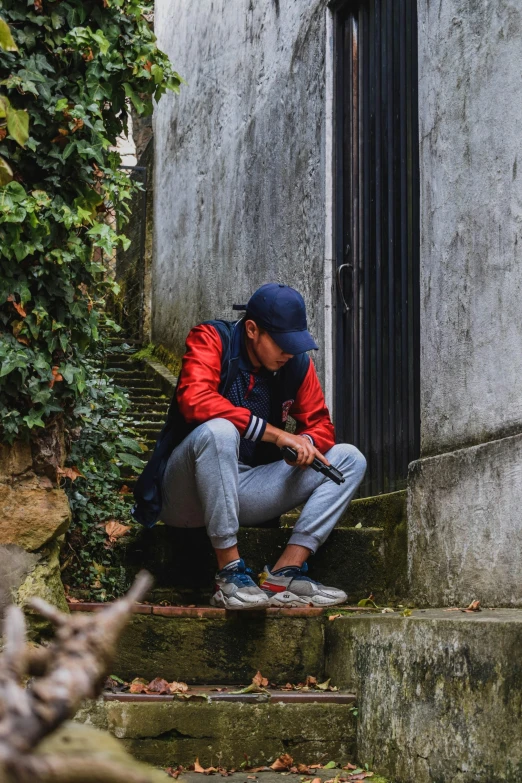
346 306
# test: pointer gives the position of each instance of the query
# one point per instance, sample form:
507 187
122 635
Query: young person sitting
218 462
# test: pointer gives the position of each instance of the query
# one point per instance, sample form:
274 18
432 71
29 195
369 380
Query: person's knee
221 431
350 456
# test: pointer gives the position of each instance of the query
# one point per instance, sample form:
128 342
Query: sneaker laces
296 572
239 573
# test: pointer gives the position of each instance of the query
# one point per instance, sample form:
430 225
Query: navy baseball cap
281 311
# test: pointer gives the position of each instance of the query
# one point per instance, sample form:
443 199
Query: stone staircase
425 695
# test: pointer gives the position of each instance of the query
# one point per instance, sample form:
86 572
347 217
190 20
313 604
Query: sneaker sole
221 602
294 601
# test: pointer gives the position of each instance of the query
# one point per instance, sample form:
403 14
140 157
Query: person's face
263 350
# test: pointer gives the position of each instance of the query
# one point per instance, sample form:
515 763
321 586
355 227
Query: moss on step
161 354
172 733
230 649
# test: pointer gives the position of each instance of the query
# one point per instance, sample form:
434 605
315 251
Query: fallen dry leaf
311 682
174 772
70 473
115 530
350 766
125 490
284 762
259 769
158 685
138 685
323 686
259 680
316 780
474 606
178 687
334 616
303 769
201 770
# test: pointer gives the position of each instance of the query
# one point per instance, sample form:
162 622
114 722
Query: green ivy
101 447
67 73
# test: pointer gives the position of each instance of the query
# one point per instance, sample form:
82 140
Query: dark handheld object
327 470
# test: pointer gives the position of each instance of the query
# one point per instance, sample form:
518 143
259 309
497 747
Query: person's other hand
306 451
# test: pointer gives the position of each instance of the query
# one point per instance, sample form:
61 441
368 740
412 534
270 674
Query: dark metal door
377 237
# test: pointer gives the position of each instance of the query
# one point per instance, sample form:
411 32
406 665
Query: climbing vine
68 70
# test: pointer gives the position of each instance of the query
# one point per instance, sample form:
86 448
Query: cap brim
294 342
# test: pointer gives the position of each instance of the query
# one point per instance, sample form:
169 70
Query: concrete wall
470 69
239 168
465 527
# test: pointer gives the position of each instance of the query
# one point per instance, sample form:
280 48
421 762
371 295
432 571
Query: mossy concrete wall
439 693
227 734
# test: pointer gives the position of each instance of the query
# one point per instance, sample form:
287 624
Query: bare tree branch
72 668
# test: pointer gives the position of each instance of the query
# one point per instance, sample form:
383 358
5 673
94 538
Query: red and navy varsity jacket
211 364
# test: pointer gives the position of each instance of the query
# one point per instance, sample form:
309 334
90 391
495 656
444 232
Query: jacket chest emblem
286 409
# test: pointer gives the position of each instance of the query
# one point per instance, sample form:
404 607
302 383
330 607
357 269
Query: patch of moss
161 354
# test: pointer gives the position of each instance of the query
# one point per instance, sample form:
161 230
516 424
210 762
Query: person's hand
306 451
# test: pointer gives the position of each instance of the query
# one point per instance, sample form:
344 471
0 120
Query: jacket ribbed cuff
306 435
255 429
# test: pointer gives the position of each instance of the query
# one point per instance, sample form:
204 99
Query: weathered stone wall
239 169
439 695
470 73
34 514
465 531
464 520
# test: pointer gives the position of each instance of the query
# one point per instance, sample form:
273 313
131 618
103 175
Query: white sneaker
292 586
235 589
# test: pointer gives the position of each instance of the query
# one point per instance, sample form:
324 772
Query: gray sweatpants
205 485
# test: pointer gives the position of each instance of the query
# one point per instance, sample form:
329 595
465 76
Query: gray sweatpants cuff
305 539
223 542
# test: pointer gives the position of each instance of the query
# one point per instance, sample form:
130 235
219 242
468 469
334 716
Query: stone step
129 377
119 362
149 399
169 731
149 430
182 561
436 688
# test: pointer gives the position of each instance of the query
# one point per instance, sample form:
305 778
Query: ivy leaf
6 39
130 444
134 98
6 172
132 460
33 419
18 125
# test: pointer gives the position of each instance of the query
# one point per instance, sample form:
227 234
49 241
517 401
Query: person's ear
251 329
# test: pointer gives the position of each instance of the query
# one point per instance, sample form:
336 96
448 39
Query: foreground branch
71 669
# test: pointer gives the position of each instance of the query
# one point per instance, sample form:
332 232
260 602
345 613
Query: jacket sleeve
198 396
311 414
